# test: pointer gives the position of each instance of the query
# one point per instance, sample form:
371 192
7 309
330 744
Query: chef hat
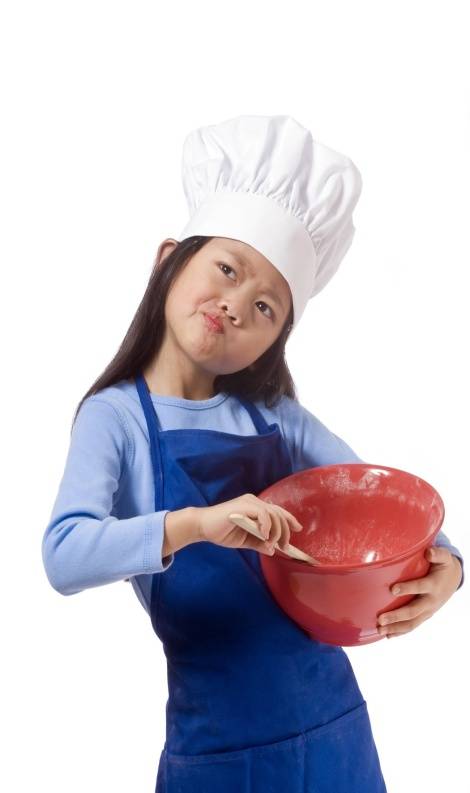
263 180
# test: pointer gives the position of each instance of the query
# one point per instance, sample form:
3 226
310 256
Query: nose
230 311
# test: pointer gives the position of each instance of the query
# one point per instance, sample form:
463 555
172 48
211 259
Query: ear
164 249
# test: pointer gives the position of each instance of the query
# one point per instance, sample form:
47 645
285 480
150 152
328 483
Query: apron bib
255 704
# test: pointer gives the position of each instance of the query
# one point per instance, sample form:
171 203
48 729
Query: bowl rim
361 566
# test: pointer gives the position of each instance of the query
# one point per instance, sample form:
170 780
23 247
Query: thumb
257 545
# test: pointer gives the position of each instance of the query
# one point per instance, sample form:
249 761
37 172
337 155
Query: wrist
193 533
180 529
195 520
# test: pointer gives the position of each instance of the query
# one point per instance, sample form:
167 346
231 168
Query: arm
84 545
312 444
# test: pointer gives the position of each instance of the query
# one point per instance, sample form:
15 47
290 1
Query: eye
260 302
222 264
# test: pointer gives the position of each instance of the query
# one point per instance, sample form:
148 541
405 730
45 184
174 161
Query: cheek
254 345
265 335
183 300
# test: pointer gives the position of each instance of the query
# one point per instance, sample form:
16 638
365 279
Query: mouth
214 323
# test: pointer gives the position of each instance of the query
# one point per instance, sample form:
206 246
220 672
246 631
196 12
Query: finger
438 555
261 546
276 528
260 513
284 539
296 525
286 526
412 610
417 586
403 627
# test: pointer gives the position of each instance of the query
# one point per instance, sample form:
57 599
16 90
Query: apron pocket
342 756
339 756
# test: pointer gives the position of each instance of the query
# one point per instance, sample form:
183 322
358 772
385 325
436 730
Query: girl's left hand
432 592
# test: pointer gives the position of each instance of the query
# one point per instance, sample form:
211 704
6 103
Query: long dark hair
268 377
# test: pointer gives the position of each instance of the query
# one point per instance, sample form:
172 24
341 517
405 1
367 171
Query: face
245 295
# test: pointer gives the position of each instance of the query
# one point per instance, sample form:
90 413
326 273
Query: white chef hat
263 180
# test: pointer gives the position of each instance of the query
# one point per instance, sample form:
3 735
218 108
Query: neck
173 375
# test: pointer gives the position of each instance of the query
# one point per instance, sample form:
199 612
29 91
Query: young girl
196 414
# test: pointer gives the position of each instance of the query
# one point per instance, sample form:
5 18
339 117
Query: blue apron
255 704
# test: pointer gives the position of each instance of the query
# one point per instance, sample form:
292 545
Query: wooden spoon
252 527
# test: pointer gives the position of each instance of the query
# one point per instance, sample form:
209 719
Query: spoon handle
251 526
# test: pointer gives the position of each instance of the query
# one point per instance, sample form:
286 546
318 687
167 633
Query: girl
195 415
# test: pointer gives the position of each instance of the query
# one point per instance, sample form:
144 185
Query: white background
97 98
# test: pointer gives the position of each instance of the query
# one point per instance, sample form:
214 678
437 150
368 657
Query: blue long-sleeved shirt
104 527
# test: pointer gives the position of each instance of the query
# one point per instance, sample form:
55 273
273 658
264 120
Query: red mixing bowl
369 527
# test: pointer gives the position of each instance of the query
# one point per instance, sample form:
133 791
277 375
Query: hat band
273 231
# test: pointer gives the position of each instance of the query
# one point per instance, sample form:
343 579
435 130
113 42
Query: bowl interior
356 514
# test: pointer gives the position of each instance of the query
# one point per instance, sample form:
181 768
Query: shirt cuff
457 555
153 544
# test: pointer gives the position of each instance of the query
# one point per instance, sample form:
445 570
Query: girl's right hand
275 523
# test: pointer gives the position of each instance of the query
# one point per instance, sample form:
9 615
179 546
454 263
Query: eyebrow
241 260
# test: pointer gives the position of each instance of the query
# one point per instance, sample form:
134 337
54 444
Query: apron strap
153 426
256 417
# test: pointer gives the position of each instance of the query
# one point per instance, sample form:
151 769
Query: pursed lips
214 323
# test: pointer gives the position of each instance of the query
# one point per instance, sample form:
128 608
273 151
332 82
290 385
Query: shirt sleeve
84 545
311 444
